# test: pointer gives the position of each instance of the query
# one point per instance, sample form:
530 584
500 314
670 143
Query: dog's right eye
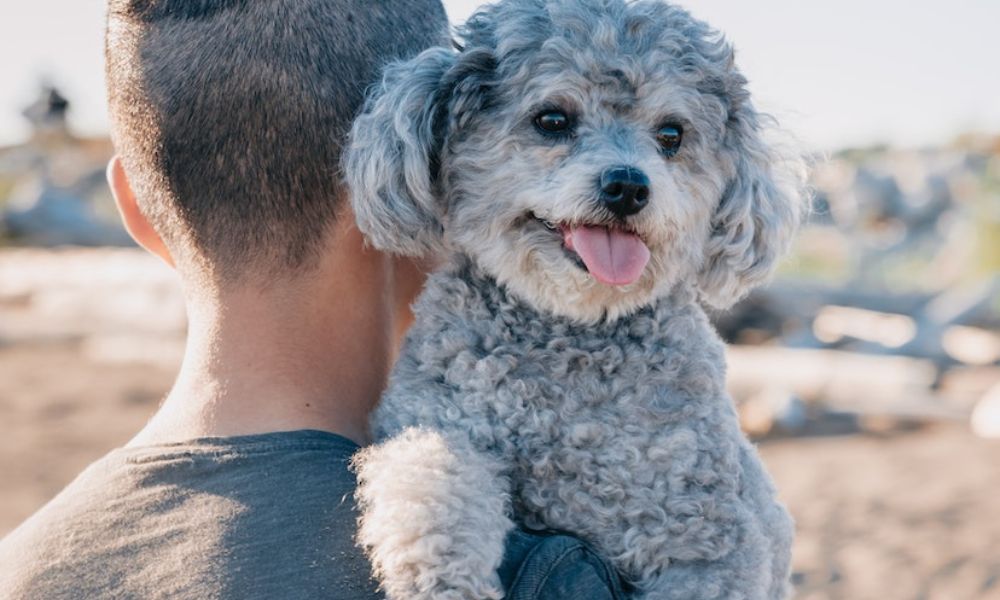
552 121
669 137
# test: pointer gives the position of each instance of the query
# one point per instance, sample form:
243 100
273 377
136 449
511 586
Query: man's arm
556 567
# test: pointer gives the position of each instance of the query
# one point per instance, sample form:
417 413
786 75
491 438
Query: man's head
229 117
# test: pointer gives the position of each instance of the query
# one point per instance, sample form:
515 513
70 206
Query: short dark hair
230 115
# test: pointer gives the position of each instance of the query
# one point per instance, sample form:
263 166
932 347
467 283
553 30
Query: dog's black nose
624 190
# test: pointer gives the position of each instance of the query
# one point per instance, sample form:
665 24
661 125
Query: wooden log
842 381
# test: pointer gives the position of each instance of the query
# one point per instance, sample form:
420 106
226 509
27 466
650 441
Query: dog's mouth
612 254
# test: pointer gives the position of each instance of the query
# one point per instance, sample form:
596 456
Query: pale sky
836 73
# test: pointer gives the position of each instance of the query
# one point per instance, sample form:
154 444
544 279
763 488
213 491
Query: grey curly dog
596 173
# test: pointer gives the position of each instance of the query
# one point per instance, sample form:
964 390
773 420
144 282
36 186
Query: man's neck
310 353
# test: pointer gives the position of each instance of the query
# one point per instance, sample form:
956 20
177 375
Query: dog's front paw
433 517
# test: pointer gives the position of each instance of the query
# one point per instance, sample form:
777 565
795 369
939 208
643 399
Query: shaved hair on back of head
230 116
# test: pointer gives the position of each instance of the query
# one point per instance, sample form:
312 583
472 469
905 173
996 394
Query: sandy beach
907 515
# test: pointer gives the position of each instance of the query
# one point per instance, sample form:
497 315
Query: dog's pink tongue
612 256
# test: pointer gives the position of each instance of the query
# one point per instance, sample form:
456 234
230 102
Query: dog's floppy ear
392 156
760 208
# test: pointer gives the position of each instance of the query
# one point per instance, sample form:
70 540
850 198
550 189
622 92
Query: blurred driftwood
119 305
842 379
875 355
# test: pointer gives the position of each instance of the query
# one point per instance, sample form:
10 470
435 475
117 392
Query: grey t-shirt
263 516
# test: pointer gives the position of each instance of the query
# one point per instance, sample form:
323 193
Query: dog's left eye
553 121
669 138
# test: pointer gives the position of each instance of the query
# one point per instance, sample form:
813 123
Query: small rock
986 416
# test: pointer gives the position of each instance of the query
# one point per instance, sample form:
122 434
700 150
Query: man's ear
136 223
394 149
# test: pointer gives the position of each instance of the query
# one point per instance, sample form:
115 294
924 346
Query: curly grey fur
621 433
599 410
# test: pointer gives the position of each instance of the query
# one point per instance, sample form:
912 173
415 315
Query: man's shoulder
256 516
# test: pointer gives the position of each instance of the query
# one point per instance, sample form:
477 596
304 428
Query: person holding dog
228 117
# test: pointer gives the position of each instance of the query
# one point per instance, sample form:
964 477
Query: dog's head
589 154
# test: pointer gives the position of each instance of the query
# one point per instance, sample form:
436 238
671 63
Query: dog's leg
433 516
743 574
757 568
776 524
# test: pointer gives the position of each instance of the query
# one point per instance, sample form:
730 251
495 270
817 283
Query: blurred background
869 371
